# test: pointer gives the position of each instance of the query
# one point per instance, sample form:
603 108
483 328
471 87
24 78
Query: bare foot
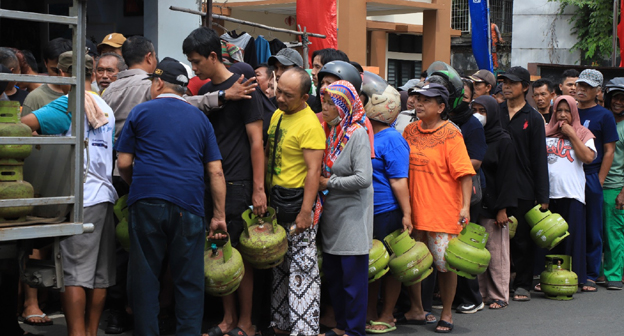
34 310
337 331
388 320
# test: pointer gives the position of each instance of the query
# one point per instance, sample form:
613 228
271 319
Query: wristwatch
221 96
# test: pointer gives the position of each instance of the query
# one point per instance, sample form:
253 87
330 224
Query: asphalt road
588 313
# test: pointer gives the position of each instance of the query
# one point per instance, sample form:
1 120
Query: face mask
481 117
335 122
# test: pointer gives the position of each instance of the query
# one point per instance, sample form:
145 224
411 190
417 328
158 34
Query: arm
539 163
506 181
607 160
476 164
584 153
239 90
619 200
124 164
360 161
258 198
401 191
217 190
31 121
312 158
466 190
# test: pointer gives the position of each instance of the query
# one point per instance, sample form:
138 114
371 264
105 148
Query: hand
501 218
407 224
303 221
241 90
544 206
464 217
215 225
323 183
619 201
567 130
259 201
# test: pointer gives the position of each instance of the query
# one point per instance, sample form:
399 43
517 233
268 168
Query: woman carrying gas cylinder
440 186
499 197
392 210
568 145
346 223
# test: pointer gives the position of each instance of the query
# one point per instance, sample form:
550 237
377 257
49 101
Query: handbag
286 201
477 193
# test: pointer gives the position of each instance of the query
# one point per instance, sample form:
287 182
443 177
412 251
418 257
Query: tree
592 23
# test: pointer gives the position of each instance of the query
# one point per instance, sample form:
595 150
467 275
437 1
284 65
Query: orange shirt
438 158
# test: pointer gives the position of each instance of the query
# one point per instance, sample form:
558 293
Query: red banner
319 16
620 33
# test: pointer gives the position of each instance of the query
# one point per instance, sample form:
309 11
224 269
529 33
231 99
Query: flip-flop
45 323
215 331
401 319
502 304
444 324
522 292
592 285
388 329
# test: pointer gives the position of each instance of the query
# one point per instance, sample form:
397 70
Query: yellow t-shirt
298 131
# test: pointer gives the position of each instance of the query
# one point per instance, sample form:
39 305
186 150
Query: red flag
319 16
620 33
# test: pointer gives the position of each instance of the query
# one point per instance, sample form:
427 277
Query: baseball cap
287 56
65 61
590 76
432 90
517 74
484 76
410 84
170 71
91 49
114 40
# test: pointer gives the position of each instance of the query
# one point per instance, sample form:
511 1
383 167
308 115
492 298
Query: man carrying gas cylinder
294 153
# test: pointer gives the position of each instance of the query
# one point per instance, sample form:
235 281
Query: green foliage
592 23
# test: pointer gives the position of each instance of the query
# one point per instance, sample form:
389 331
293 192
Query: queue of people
358 161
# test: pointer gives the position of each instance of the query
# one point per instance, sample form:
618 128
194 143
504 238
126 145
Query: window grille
501 12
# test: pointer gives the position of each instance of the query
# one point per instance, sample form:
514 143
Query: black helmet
444 74
614 85
342 70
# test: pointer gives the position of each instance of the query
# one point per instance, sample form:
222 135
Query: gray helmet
613 86
382 101
342 70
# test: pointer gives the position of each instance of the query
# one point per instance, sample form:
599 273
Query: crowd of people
357 159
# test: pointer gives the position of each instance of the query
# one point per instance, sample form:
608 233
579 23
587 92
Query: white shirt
565 170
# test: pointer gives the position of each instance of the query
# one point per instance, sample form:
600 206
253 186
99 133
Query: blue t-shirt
474 138
54 118
391 162
601 122
171 141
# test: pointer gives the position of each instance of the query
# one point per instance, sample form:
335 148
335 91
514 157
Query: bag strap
275 141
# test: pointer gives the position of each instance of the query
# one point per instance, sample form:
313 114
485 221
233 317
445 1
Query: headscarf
493 129
553 129
353 116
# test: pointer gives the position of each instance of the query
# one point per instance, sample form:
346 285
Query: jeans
158 229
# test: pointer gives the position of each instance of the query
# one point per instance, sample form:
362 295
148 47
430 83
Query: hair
121 64
268 69
203 41
468 82
135 48
569 73
8 58
440 101
329 54
423 74
30 60
544 81
55 48
357 66
305 83
175 87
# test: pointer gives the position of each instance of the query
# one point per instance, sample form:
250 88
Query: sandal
501 304
538 287
444 324
46 321
388 328
522 292
401 319
590 285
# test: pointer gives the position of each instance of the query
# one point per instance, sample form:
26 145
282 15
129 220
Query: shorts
387 222
89 258
237 200
437 243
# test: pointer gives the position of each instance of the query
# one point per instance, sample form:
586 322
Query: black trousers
9 280
523 248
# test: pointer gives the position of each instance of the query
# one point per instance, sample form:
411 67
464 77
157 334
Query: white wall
412 18
167 29
540 35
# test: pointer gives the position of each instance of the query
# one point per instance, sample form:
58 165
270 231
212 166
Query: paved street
589 313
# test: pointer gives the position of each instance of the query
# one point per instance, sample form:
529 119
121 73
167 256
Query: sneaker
469 308
614 285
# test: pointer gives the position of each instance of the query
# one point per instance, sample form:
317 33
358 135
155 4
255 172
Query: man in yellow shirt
295 163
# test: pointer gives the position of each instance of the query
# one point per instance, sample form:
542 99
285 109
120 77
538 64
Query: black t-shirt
229 127
19 96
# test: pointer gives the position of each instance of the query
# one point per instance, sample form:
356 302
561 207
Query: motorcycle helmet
342 70
444 74
383 102
613 86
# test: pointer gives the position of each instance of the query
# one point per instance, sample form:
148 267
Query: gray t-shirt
347 221
39 98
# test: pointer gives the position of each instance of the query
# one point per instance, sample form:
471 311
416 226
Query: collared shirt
529 137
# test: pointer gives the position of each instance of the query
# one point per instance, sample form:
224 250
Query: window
501 12
400 71
460 16
405 43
